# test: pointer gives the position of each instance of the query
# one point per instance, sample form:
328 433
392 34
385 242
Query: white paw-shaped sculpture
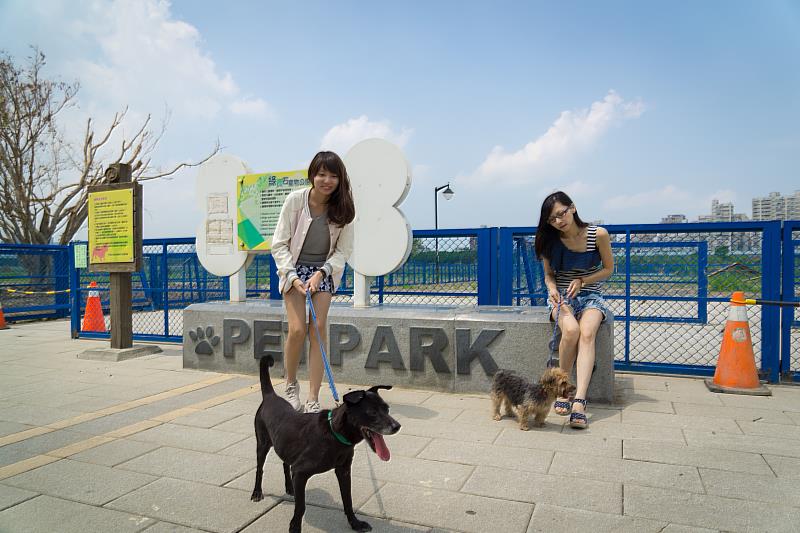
381 178
217 237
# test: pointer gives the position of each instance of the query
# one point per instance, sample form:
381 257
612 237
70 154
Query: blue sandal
562 407
578 420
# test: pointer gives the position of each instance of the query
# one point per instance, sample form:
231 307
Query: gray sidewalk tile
734 461
166 527
766 489
627 431
552 519
410 471
451 430
784 467
783 403
8 428
204 419
743 443
677 528
10 496
197 505
114 452
245 449
240 424
322 489
405 396
648 406
448 510
236 407
700 399
453 401
321 520
35 415
81 482
554 422
190 465
588 444
40 444
794 417
626 471
680 421
529 460
702 510
199 439
769 430
22 370
90 404
421 412
736 413
45 514
591 495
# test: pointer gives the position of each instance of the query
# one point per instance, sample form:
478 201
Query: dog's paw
360 525
205 340
524 428
497 417
257 496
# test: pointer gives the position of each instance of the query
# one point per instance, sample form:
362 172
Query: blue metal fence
669 290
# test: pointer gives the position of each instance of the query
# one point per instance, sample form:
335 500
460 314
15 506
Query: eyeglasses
559 215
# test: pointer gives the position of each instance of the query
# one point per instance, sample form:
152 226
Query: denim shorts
582 302
304 272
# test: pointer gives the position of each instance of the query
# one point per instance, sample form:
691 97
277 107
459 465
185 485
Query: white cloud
572 133
342 137
253 107
669 194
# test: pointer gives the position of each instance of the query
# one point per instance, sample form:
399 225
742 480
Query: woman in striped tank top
576 258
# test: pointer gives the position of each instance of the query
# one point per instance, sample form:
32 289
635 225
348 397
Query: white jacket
290 234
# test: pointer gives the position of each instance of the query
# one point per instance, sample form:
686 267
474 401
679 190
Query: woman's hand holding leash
554 295
299 287
313 283
575 287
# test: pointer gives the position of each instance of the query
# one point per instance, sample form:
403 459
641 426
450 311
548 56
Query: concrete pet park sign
455 349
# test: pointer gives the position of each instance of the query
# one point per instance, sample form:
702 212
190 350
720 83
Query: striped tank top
569 266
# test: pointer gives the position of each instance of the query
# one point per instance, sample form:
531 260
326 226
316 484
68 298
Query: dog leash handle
328 371
551 360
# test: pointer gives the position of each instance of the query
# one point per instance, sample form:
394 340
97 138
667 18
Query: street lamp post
448 193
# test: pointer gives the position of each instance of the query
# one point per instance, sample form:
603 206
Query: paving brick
240 424
766 489
626 471
189 465
196 505
694 456
199 439
784 467
527 459
735 413
81 482
38 445
45 514
766 429
10 496
451 430
204 419
743 443
418 472
587 444
321 520
166 527
448 510
115 452
627 431
680 421
552 519
600 496
702 510
8 428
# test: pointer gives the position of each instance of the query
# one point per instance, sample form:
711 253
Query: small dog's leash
322 350
551 362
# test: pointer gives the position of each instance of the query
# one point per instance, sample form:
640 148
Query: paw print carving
205 340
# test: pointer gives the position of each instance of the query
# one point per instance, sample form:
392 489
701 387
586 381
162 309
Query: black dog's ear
376 388
354 397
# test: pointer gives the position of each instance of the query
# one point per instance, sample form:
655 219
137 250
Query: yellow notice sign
111 226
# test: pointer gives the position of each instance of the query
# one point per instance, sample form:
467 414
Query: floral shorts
582 302
304 272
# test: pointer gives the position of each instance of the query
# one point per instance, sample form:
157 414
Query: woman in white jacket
312 242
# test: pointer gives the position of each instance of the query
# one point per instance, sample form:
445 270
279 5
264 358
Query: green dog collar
338 436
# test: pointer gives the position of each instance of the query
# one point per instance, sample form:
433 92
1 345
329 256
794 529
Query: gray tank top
317 243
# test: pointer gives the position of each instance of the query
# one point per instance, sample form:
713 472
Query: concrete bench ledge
453 349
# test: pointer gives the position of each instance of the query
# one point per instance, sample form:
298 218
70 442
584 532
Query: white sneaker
312 407
293 395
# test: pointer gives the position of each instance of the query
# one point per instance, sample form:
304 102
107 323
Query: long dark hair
341 209
546 234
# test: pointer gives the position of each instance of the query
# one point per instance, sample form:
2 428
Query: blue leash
322 350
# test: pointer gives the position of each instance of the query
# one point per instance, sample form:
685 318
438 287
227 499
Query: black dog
310 444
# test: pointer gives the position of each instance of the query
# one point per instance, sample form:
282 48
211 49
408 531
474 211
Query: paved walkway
144 445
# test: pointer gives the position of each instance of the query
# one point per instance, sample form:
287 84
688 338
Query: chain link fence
669 291
34 281
790 319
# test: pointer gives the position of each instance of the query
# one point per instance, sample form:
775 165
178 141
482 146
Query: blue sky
636 109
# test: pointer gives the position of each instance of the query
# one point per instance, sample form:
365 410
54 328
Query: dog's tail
263 373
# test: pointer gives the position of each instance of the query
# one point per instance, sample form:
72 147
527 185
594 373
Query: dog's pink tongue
380 447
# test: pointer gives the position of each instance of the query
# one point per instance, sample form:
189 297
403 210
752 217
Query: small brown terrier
529 398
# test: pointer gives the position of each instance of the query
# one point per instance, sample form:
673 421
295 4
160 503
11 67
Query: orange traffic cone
736 367
3 324
93 316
